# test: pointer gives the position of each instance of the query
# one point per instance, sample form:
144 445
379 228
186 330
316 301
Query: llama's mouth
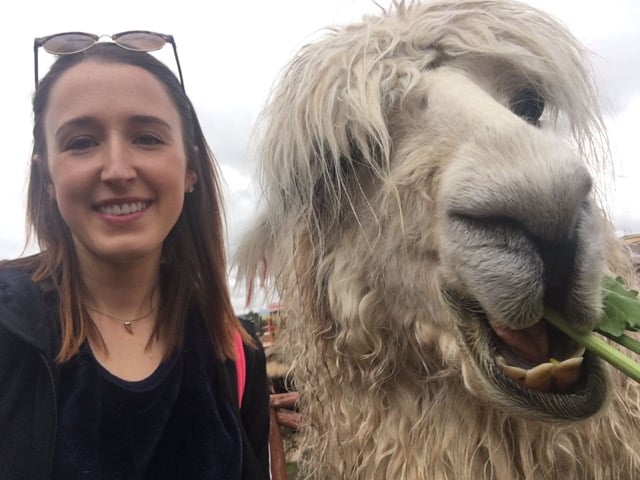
535 369
538 357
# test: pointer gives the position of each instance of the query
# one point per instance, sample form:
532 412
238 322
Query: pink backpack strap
241 365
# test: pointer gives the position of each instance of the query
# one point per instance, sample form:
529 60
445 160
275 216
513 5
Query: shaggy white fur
428 181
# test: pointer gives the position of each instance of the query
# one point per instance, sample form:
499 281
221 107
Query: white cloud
594 21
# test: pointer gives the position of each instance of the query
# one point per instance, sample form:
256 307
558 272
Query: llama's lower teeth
558 376
566 373
540 377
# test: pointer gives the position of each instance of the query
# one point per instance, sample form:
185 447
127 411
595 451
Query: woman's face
117 160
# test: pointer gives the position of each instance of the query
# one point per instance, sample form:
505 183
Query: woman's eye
528 105
148 139
80 143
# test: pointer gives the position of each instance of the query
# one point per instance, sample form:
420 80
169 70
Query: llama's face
418 216
504 207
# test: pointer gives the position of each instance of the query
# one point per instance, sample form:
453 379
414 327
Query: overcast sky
231 51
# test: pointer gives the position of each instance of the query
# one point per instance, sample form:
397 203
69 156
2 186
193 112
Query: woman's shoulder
17 289
23 309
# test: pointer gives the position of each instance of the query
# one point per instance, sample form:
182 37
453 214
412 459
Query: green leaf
621 308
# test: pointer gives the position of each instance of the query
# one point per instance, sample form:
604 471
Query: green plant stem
624 340
596 345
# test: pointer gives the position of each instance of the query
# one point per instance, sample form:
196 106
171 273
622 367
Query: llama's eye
528 105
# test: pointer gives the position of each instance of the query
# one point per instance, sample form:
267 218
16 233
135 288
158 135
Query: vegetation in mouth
621 314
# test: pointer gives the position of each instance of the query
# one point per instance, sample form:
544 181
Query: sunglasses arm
36 47
175 54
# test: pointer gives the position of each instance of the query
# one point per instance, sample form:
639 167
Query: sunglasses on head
68 43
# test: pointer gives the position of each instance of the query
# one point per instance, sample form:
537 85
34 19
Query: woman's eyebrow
83 121
149 120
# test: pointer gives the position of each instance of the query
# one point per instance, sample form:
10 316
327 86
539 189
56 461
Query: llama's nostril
559 269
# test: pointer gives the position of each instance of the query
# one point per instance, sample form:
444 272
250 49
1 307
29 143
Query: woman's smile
124 208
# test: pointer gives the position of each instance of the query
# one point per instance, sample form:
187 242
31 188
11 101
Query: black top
31 396
174 424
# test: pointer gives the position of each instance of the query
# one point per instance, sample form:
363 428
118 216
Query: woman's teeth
123 209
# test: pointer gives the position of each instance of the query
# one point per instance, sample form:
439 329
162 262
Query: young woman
120 355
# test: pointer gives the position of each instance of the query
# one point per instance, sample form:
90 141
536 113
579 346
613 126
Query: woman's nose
117 164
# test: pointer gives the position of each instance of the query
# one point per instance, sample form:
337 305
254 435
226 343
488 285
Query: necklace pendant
127 327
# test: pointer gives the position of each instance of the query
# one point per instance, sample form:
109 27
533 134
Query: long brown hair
193 277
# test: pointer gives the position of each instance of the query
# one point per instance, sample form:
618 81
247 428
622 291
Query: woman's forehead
98 88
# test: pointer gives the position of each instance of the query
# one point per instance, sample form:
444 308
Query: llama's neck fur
435 429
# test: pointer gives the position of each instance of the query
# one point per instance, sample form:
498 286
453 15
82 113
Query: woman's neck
123 299
120 289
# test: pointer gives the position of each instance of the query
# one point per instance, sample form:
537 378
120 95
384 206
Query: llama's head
428 190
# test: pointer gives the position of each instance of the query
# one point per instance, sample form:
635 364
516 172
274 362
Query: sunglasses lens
67 43
142 41
75 42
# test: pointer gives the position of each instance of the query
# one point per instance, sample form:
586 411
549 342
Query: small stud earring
191 189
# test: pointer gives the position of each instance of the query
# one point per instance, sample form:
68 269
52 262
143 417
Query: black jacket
29 341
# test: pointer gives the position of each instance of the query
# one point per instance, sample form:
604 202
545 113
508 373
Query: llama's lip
545 393
577 390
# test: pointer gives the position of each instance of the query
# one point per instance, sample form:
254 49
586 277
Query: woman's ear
191 178
39 162
190 181
35 159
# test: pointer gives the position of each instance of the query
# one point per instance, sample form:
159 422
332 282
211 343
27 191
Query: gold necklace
126 323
